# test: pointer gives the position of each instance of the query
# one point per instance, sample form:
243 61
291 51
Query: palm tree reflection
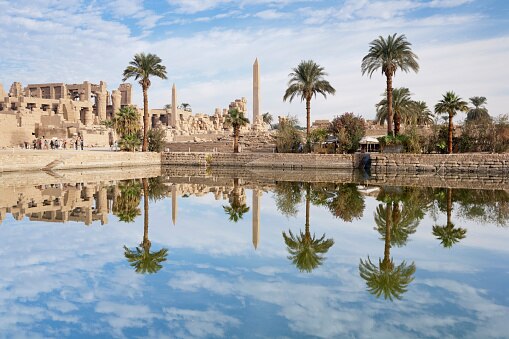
395 224
141 258
237 207
448 234
306 252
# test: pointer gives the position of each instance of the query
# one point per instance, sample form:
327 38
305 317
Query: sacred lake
191 252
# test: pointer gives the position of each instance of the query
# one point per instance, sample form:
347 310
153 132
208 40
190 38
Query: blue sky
209 46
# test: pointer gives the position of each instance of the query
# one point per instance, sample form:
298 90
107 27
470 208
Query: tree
237 209
402 107
306 81
141 68
186 107
288 137
156 139
141 258
448 234
306 251
267 118
287 195
344 201
479 111
236 119
349 129
127 121
389 55
450 104
421 114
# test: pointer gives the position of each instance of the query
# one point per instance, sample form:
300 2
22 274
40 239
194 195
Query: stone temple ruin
58 110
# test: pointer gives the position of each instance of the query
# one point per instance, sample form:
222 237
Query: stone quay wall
264 160
52 160
440 163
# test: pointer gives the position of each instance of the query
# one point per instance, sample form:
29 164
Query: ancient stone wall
450 163
34 160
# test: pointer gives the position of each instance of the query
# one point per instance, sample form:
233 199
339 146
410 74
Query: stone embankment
380 162
51 160
441 163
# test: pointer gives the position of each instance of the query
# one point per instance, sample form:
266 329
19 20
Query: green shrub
156 139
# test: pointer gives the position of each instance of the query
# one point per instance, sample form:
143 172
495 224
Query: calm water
209 257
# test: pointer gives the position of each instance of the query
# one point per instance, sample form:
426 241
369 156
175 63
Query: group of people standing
43 143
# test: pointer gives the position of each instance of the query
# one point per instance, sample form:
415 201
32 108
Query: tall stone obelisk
256 93
174 106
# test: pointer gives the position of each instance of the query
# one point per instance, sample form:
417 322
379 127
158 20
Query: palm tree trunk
146 241
236 133
389 105
308 234
308 116
449 141
397 123
144 147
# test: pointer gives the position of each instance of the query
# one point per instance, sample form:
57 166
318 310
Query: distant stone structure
59 110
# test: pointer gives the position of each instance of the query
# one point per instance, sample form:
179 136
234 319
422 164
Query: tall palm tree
236 119
479 111
450 104
306 81
402 107
385 278
237 209
306 252
448 234
141 68
141 258
389 55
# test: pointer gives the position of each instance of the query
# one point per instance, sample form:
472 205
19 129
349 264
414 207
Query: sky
209 47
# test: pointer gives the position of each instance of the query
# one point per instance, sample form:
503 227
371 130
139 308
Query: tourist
76 144
82 144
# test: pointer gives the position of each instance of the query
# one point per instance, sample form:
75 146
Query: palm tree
267 118
236 119
387 279
402 106
479 111
141 258
450 104
448 234
306 80
186 107
403 221
306 252
141 68
237 209
127 121
421 114
389 55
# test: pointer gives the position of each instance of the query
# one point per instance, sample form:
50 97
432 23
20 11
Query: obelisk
256 93
174 106
256 218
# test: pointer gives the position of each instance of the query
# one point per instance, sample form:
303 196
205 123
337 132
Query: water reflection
238 206
306 251
141 258
218 285
449 234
